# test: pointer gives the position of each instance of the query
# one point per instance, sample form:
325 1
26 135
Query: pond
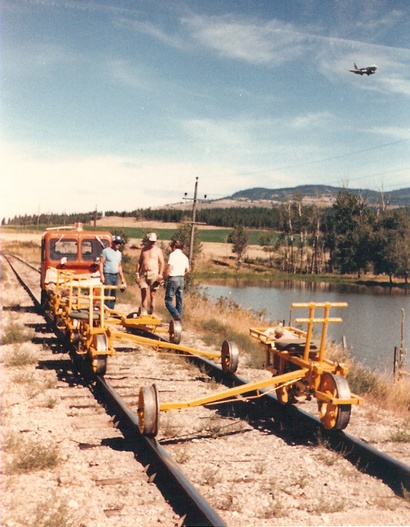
372 322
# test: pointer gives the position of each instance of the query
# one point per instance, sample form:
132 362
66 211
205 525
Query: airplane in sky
364 71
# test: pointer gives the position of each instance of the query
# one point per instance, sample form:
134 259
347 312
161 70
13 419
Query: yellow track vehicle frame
78 304
297 375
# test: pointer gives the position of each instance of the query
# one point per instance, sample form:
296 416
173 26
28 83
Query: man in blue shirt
111 269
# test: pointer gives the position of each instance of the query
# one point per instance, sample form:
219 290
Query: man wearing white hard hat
149 272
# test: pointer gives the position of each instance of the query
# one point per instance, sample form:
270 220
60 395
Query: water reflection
371 323
300 285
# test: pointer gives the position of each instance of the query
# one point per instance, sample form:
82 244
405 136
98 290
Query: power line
344 155
341 156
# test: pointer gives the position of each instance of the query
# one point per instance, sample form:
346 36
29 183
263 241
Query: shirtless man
149 272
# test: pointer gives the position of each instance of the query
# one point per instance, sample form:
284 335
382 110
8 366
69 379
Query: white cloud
311 120
274 43
154 31
257 42
402 134
218 133
128 74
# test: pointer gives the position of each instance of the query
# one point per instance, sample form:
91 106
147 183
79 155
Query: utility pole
193 221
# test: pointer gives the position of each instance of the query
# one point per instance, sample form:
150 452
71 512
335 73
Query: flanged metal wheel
100 361
229 356
334 416
148 410
100 365
175 331
101 342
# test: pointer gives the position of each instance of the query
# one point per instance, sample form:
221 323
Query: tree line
349 237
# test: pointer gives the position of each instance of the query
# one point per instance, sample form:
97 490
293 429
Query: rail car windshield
63 248
91 249
68 248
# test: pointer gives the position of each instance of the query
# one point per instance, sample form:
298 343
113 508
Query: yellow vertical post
309 332
324 332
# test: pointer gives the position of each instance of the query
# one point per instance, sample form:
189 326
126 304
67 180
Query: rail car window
63 248
92 249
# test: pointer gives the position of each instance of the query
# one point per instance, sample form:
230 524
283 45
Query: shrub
22 356
30 455
15 333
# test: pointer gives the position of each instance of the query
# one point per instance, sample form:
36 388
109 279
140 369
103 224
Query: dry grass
29 454
379 388
54 510
14 333
28 247
223 320
19 356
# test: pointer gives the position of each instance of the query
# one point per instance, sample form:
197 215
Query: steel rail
162 469
175 487
367 459
22 260
392 472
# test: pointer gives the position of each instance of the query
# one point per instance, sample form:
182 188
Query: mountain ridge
319 195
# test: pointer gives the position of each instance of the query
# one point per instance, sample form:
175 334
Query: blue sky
122 104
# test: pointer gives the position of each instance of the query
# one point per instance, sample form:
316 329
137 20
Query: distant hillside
320 195
323 193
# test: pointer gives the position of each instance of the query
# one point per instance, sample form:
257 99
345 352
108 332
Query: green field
205 235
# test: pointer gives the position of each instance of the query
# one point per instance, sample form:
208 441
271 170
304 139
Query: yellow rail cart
300 371
78 305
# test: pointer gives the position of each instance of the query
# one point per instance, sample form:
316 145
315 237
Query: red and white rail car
71 249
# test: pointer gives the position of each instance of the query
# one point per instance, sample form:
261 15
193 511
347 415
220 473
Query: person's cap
152 237
117 239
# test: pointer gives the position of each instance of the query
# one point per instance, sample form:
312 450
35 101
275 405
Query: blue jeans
110 279
175 288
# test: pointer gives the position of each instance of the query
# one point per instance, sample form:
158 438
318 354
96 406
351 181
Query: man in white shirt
178 266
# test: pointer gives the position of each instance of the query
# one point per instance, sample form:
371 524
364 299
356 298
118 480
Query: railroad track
160 467
264 415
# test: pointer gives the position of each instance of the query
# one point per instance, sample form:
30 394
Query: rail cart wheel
101 342
175 331
229 356
334 416
59 321
100 365
284 395
44 298
100 361
73 336
148 410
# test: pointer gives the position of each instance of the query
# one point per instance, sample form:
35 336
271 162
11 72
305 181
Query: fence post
395 363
